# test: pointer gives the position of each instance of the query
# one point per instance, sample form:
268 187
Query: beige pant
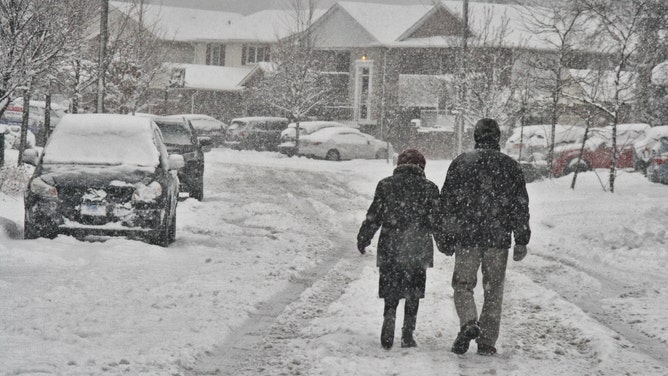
492 262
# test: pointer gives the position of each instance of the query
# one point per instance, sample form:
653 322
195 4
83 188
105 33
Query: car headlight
147 193
42 189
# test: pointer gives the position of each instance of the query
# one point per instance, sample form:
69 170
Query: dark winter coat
404 208
484 200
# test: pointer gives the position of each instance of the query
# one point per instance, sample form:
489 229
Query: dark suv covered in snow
102 174
181 138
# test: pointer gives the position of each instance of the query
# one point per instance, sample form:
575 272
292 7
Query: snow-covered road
264 279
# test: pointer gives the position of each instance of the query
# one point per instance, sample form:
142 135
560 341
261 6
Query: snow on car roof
102 139
326 133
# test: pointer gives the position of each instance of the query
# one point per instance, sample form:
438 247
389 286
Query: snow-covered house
398 60
211 56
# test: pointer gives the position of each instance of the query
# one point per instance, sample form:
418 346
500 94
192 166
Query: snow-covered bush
14 180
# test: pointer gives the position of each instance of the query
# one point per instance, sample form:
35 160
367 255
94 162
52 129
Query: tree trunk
24 124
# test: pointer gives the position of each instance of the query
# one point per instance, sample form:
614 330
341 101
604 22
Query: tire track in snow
257 344
592 301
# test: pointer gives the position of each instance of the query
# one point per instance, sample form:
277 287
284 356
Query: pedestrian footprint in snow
404 208
483 202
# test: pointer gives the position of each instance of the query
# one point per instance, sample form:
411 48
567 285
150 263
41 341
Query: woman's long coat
404 208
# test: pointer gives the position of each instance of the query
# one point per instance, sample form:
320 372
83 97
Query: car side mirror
176 162
30 156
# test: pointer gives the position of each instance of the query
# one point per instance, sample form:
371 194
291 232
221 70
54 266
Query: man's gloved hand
519 252
447 249
360 247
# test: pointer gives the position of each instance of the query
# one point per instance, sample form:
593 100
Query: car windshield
175 133
664 145
205 124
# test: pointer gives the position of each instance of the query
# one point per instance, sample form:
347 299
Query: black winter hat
411 156
487 132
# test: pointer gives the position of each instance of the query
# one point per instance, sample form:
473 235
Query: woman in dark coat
404 208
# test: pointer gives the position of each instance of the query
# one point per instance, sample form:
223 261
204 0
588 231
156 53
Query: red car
597 152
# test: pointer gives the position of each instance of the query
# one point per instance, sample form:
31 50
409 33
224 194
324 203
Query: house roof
181 24
383 23
269 25
213 77
505 25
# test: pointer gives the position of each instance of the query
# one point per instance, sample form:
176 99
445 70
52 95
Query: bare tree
33 36
620 23
296 86
560 26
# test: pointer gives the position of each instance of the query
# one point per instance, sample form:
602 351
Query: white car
338 143
643 146
532 141
289 135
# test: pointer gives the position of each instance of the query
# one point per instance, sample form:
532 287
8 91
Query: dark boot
387 333
407 339
468 332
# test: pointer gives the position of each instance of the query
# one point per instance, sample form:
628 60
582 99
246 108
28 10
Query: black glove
447 249
360 247
519 252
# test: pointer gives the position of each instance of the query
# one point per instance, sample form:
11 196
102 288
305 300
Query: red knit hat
411 156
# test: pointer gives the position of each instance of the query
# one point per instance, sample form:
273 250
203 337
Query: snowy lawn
589 299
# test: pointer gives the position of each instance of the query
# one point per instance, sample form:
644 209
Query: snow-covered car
13 136
597 151
104 175
256 132
13 115
531 142
206 126
288 136
657 170
642 147
181 138
338 143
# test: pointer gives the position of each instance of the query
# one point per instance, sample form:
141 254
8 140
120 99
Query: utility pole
462 76
102 66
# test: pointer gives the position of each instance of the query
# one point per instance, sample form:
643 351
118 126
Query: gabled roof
269 25
380 24
181 24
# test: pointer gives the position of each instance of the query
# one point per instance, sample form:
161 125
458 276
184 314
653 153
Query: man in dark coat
483 201
404 208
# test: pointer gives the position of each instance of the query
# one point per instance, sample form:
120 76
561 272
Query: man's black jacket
484 200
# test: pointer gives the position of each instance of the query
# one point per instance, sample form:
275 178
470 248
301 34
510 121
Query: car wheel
162 235
197 190
35 230
333 155
172 229
381 154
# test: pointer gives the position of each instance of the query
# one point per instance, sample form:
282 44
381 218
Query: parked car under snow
338 143
288 143
597 152
643 146
181 138
657 170
102 174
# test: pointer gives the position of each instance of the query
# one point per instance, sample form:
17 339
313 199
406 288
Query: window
215 54
255 54
363 91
